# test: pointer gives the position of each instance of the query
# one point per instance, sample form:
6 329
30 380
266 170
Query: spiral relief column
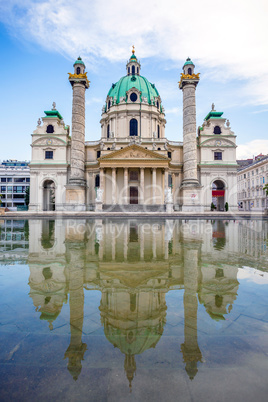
76 194
190 186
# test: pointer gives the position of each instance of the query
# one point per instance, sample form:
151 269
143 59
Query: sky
41 39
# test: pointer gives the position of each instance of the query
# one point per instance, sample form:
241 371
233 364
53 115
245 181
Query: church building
133 166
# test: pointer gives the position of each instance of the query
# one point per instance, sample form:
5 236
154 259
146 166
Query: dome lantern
133 66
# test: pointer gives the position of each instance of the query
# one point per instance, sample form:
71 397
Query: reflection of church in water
134 264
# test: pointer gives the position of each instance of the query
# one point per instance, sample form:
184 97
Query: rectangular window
18 189
9 196
9 189
3 180
18 196
169 155
9 179
217 156
3 189
98 154
27 179
19 180
49 155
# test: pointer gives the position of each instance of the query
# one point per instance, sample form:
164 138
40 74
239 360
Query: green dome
120 89
79 61
188 61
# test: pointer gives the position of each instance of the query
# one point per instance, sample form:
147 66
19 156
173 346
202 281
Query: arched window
137 70
108 131
158 131
50 129
157 105
133 127
217 130
133 70
109 104
78 70
189 71
128 70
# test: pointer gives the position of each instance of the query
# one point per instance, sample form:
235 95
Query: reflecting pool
115 310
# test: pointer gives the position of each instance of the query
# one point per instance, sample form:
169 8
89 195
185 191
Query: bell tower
190 187
75 189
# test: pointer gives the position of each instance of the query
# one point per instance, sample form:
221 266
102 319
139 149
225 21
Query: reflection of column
125 241
154 242
126 185
142 185
113 186
154 185
76 349
141 243
113 246
190 348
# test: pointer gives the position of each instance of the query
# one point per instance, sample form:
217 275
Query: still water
116 310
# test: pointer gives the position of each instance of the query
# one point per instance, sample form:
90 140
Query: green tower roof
188 61
213 115
53 113
79 61
120 89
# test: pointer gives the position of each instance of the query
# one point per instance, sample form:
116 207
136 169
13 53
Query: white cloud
255 147
229 37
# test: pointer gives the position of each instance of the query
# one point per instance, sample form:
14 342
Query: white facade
250 183
133 162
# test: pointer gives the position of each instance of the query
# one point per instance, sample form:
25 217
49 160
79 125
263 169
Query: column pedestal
75 198
190 199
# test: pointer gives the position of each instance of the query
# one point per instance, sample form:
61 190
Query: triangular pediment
133 151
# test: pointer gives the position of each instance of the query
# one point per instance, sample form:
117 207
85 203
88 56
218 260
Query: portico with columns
133 175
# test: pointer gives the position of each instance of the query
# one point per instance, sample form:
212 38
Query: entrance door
133 195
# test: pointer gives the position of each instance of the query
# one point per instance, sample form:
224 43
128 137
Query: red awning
218 193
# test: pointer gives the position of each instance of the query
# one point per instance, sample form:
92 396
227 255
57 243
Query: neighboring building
250 182
14 180
133 167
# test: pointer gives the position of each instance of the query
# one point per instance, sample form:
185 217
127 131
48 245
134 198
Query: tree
27 195
266 189
1 199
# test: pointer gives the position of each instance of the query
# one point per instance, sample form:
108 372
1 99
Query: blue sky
40 40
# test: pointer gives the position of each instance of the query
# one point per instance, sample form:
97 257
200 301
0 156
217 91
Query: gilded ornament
189 77
79 76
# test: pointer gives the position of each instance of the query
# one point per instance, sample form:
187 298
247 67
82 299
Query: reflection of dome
133 322
120 89
134 341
